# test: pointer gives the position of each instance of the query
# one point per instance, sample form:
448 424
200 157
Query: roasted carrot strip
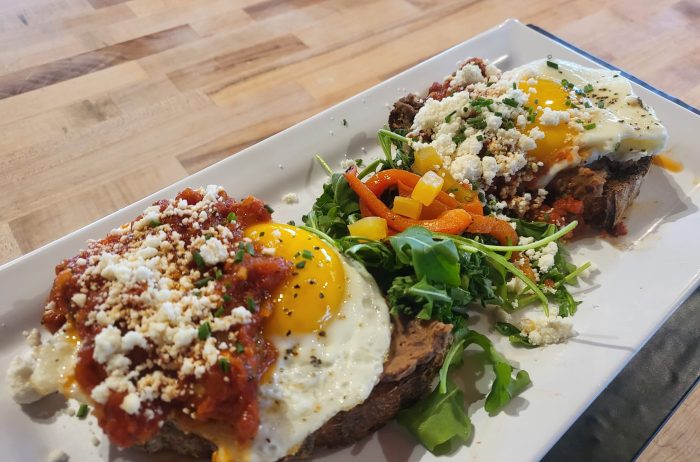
499 229
379 183
451 222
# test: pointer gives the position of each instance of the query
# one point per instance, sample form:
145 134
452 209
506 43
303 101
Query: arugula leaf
438 418
514 334
372 254
335 208
567 304
505 386
437 261
537 230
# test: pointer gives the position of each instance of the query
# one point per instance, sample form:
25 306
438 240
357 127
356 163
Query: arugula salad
441 251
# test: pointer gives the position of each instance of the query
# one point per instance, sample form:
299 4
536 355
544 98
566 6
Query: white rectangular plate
643 276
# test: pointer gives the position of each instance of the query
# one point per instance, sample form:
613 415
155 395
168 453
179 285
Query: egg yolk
558 139
312 295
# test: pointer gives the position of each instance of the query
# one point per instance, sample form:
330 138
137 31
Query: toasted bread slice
417 351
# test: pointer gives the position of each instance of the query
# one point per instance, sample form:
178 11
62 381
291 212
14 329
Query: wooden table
103 102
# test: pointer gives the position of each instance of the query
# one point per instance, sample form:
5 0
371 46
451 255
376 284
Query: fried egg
330 325
584 114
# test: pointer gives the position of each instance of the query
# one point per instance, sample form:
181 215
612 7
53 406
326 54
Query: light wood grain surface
103 102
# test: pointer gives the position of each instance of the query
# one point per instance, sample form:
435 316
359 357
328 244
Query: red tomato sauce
225 394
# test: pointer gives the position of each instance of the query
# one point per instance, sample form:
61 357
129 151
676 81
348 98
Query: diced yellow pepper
407 207
427 159
370 227
427 188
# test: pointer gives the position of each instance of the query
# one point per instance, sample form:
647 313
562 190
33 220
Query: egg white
315 377
625 128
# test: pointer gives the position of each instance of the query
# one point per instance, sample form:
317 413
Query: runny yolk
312 296
558 139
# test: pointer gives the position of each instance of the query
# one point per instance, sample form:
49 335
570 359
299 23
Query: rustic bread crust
417 352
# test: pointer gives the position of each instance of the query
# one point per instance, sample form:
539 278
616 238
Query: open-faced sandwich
549 141
205 328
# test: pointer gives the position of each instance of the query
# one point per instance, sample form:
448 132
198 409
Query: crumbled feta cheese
290 198
213 252
131 403
466 168
545 331
107 343
58 455
19 375
489 168
467 75
552 118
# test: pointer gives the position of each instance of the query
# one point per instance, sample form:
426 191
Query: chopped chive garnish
202 282
536 101
155 223
83 411
231 217
250 303
448 119
291 222
552 64
239 347
617 146
510 102
199 261
218 273
240 253
301 264
480 102
588 88
204 331
589 126
227 298
208 236
249 248
479 138
586 104
514 86
477 122
219 312
269 209
601 104
307 254
224 365
564 83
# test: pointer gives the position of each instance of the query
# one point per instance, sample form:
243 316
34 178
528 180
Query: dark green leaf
438 418
437 261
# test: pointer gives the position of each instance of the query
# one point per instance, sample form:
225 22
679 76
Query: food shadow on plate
22 315
606 345
660 201
397 444
46 410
